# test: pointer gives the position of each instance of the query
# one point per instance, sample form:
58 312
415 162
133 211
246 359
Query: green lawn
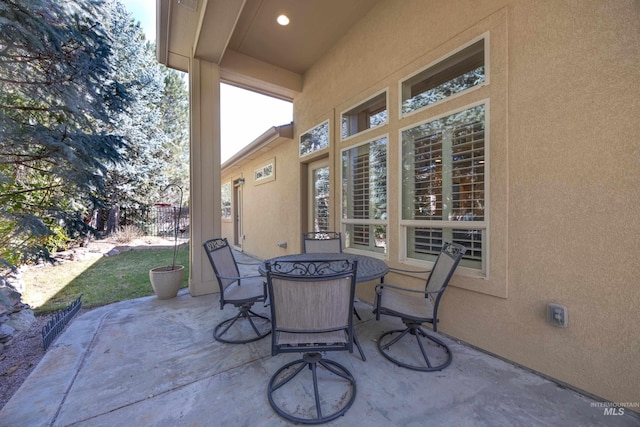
100 281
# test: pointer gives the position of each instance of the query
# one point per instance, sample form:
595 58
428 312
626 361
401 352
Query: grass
101 281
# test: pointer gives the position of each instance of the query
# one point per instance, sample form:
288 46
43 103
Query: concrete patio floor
151 362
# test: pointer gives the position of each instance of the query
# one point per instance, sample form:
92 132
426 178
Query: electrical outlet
557 315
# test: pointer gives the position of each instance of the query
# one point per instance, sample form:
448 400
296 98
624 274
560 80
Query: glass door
237 205
319 196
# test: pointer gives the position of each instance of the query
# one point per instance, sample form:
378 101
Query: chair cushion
406 306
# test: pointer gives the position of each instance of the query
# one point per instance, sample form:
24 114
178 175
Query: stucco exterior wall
270 209
564 172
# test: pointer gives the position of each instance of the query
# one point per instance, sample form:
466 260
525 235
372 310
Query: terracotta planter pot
166 282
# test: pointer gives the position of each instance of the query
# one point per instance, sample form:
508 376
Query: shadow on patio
155 362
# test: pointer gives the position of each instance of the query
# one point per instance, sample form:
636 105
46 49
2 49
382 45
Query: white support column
205 209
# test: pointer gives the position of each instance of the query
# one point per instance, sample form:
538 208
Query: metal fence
158 220
166 220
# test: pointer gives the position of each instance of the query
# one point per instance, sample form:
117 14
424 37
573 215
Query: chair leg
357 343
251 315
244 313
316 394
419 333
312 361
422 350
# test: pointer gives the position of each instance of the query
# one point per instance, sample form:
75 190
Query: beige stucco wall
564 171
270 210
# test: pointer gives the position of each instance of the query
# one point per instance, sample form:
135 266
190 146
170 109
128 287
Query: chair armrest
248 263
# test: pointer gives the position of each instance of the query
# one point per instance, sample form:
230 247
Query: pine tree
155 126
58 102
175 125
134 183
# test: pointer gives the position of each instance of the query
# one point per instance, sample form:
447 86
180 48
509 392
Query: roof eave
260 143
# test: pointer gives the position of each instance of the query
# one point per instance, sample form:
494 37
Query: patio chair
413 311
241 291
311 304
322 242
326 242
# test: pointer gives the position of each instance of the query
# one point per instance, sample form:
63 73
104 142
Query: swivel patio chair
311 305
413 311
242 292
322 242
326 242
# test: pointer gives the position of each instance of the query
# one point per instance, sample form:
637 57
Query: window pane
321 199
226 200
426 244
443 180
472 239
367 115
467 166
366 237
364 194
264 172
378 119
315 139
443 168
452 75
364 171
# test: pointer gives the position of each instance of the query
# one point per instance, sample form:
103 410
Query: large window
443 179
364 196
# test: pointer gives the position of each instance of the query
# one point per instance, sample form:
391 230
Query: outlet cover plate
557 315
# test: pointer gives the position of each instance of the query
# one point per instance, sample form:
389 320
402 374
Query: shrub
127 234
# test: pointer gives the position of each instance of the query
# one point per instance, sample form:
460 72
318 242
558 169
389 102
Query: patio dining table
369 268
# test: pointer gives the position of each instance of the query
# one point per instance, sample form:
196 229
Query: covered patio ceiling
244 39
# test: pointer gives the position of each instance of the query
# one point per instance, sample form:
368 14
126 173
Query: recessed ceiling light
283 20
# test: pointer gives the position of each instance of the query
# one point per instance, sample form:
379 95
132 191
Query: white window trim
362 132
482 273
465 92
